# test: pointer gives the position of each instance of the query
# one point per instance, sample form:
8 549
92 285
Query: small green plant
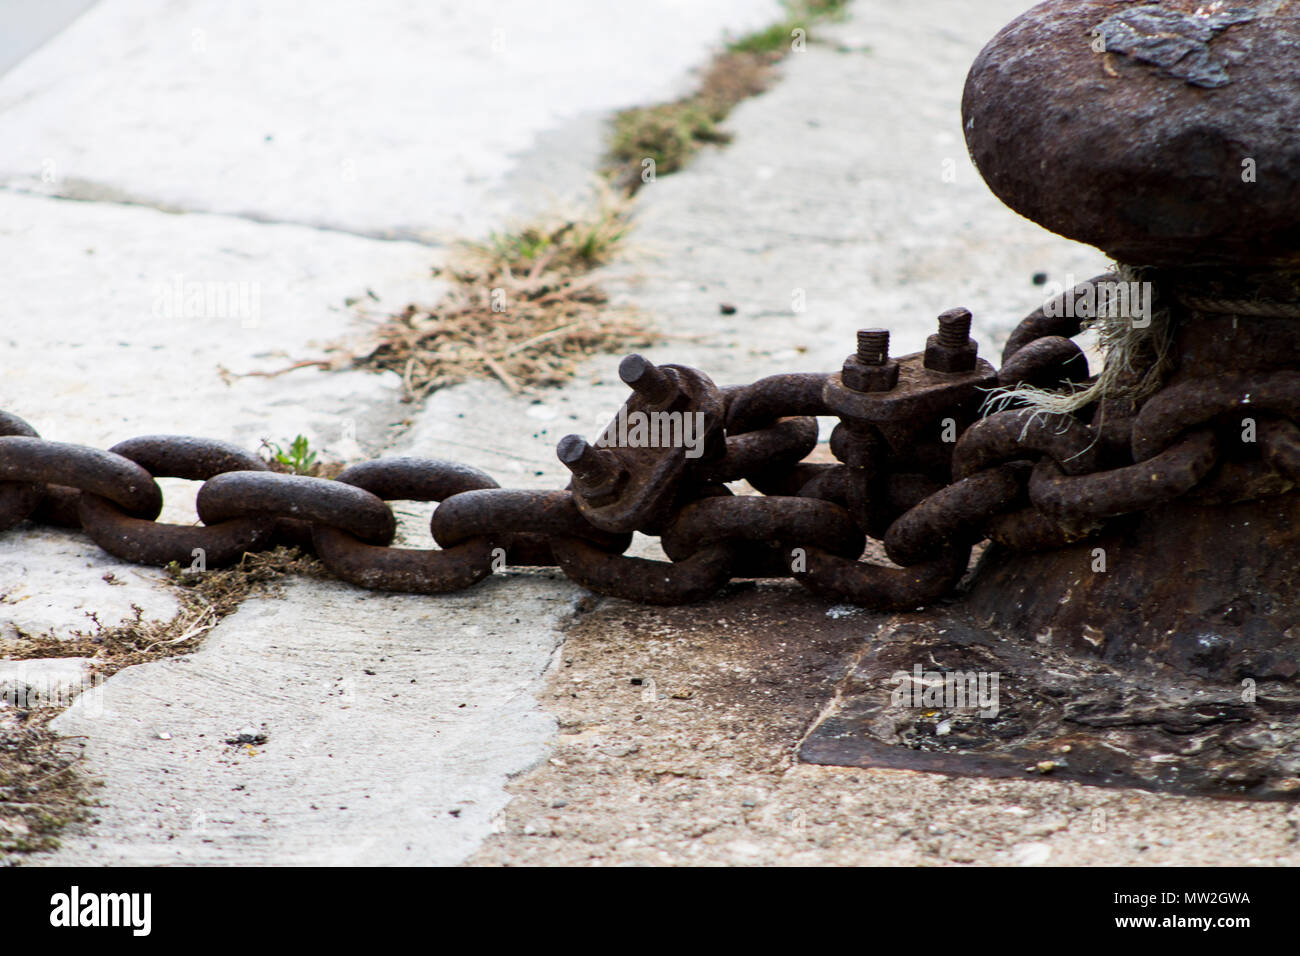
521 247
777 37
773 39
565 246
298 460
669 133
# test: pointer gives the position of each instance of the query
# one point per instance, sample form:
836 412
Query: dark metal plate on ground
934 693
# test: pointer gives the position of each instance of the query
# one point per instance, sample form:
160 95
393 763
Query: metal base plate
1032 710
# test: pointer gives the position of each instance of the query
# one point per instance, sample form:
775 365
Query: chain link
917 470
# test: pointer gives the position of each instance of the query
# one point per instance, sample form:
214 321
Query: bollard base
1211 591
1161 655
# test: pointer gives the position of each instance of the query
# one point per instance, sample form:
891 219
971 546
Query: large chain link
917 470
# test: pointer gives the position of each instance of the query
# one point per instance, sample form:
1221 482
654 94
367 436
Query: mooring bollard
1136 619
1163 133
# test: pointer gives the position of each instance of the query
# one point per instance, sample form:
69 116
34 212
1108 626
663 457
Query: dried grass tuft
522 307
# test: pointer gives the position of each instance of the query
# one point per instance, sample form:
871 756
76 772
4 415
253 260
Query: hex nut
947 358
862 377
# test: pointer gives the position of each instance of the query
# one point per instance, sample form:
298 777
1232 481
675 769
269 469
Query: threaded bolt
589 464
873 346
954 328
646 379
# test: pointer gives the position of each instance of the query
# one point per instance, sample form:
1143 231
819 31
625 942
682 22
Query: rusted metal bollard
1160 649
1164 134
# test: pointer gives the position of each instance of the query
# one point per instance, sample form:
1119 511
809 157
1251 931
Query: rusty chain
916 469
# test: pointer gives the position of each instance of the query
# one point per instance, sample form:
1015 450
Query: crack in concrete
88 191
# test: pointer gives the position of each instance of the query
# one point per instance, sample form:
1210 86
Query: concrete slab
391 726
397 118
27 26
49 681
55 578
119 322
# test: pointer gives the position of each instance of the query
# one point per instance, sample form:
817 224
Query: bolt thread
873 346
954 328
